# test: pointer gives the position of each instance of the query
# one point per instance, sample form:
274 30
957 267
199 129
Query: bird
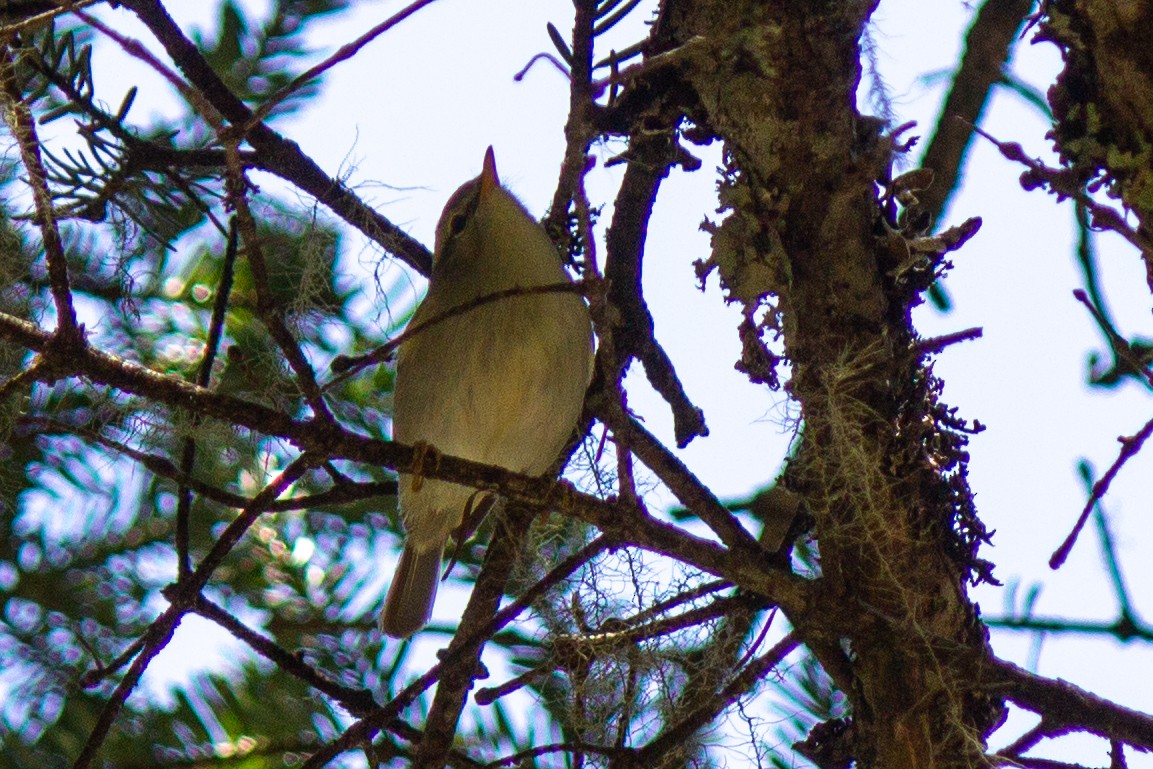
501 383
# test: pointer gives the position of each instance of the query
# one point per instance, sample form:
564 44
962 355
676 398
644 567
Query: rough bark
807 243
1103 102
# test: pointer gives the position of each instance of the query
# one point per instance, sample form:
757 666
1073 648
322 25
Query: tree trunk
879 468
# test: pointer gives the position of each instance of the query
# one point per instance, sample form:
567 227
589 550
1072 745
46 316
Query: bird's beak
489 181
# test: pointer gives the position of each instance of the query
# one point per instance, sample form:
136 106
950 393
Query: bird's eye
457 223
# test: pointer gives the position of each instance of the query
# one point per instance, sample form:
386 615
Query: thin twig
688 489
1130 447
136 50
355 701
23 127
31 22
604 24
342 54
156 637
1127 619
102 671
27 377
1059 183
1116 629
203 377
236 529
182 596
719 608
276 154
1121 346
523 758
741 684
347 365
271 314
590 645
937 343
680 599
523 71
1027 740
345 492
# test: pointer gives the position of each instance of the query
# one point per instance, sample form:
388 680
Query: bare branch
277 154
23 127
182 596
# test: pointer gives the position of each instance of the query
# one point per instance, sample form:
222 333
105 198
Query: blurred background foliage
86 545
87 541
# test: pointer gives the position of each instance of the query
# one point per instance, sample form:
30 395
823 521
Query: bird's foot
478 506
424 455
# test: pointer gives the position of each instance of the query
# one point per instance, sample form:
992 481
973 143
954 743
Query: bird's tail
409 602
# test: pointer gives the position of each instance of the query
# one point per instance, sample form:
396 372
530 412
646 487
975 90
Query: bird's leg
423 453
479 505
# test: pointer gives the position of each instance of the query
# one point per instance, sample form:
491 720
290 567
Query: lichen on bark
808 244
1103 100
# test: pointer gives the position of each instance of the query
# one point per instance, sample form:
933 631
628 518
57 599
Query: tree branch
23 127
355 701
1061 703
277 155
988 46
458 675
182 596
